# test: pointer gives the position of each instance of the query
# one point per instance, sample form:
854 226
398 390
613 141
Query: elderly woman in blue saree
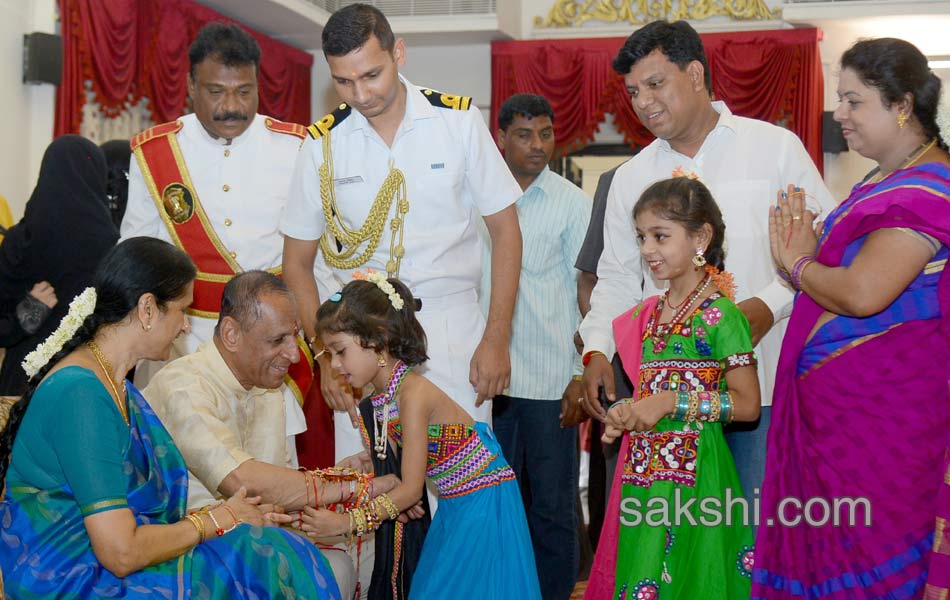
862 408
95 489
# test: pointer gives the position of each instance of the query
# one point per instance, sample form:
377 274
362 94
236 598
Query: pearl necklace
107 369
384 405
661 332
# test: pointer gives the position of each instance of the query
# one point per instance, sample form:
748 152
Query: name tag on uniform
434 166
346 180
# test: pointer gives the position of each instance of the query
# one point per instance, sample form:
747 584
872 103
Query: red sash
166 176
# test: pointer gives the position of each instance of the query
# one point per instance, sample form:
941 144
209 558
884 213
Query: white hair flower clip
377 278
81 307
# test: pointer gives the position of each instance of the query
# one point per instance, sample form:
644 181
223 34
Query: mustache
230 116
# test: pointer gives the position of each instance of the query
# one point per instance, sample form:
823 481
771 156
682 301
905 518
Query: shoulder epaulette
171 127
440 100
294 129
328 122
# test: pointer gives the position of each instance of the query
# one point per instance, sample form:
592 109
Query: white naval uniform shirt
242 187
745 163
454 175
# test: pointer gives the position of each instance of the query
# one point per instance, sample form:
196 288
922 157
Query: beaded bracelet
234 518
218 531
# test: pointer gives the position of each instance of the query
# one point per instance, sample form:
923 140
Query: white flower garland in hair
80 308
943 116
379 279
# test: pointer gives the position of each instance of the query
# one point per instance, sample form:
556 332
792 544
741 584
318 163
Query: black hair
242 295
526 105
365 311
894 68
689 202
225 43
350 27
678 41
137 266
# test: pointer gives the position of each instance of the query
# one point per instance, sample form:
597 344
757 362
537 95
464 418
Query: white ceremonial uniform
242 187
745 163
454 173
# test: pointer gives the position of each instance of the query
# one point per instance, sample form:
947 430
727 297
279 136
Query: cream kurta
215 422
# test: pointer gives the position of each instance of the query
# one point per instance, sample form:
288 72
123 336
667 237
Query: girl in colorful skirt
689 352
478 545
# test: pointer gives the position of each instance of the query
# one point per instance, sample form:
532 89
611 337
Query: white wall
462 69
26 111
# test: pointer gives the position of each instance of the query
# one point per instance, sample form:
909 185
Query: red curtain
774 76
130 49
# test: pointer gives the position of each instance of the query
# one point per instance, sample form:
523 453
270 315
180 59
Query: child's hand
611 433
412 513
385 484
646 413
318 523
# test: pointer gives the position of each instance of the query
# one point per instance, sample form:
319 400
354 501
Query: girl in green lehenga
690 352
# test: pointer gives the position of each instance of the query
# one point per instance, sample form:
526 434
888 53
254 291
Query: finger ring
797 218
581 399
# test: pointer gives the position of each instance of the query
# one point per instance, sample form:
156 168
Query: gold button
234 255
226 187
227 222
343 106
227 153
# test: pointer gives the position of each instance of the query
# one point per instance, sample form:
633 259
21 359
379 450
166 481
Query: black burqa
412 536
65 231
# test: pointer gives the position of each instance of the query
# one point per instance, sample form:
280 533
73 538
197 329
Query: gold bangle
199 526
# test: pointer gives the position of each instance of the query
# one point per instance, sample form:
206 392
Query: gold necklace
919 151
107 369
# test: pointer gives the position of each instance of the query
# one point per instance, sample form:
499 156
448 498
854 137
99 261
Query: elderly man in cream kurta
223 407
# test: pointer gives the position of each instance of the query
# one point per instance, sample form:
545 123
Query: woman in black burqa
66 229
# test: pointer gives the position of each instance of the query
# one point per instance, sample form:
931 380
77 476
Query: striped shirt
554 214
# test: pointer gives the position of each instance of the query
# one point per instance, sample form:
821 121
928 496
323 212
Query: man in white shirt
215 182
395 180
744 162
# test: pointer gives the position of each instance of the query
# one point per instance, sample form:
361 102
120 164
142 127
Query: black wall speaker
42 58
831 138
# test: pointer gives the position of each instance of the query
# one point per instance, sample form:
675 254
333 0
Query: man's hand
598 373
337 394
572 411
490 370
759 315
358 462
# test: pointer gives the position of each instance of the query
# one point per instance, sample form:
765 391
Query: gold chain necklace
392 191
919 151
107 369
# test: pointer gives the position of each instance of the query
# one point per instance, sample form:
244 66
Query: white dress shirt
745 163
454 175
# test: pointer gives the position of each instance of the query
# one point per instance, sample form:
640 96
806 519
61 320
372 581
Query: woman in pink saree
862 406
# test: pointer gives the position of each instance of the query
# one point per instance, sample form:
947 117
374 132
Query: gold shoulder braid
340 243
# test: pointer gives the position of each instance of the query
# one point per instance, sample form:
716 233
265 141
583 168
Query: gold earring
146 327
699 260
380 361
902 119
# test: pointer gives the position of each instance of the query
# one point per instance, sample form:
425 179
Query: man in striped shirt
553 214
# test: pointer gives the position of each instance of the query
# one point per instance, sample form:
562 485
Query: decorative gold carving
573 13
